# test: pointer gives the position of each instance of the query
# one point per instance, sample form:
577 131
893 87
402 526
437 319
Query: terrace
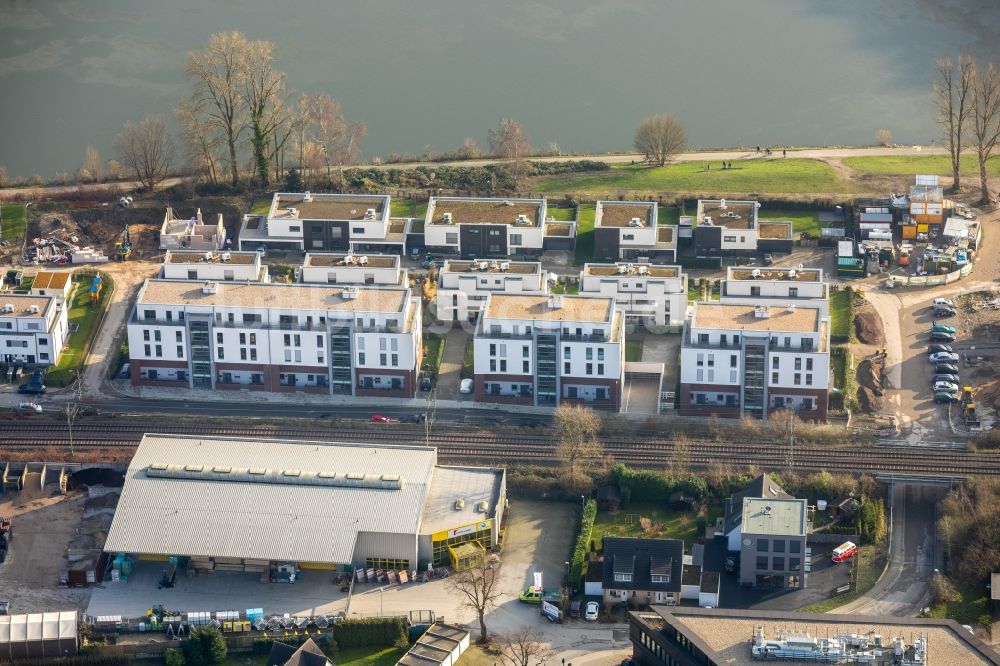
632 269
370 260
484 266
795 274
561 229
515 212
775 230
611 214
730 214
243 258
328 207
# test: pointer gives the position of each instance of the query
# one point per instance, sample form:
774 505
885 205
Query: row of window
709 360
287 321
393 358
793 292
778 563
796 378
596 334
776 363
587 370
525 366
701 376
778 546
158 335
502 349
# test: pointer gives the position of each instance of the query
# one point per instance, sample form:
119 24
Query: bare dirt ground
43 527
868 327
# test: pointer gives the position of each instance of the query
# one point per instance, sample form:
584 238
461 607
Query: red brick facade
479 389
136 366
686 408
409 378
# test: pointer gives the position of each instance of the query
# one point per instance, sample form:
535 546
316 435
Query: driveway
449 376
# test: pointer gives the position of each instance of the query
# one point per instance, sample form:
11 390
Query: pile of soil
868 326
989 393
870 374
869 401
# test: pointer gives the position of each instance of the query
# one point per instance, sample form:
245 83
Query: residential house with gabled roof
641 572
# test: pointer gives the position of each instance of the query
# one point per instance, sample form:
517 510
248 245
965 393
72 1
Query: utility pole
73 408
430 417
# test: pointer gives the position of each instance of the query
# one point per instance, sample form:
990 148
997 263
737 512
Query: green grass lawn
973 606
871 565
670 524
12 221
840 314
585 234
803 221
695 292
572 289
747 176
407 208
668 214
468 361
912 165
84 314
633 350
260 207
433 348
561 213
368 656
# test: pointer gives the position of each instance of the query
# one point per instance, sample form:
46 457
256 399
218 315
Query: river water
428 73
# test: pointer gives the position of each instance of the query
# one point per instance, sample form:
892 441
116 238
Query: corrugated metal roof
301 523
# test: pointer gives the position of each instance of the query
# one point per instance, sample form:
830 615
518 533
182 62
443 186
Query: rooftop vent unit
722 203
707 221
555 301
482 506
307 197
370 214
363 260
208 256
482 265
629 268
522 219
446 217
459 504
210 287
505 265
9 307
495 265
767 510
33 309
227 256
791 308
508 202
755 273
762 311
792 274
349 293
643 270
635 222
622 269
293 212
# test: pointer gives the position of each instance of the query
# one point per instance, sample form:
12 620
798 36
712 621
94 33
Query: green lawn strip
870 567
13 221
407 208
675 524
633 350
368 656
912 165
840 315
695 292
803 221
561 213
86 316
260 207
756 175
972 609
468 361
585 234
668 214
571 289
433 350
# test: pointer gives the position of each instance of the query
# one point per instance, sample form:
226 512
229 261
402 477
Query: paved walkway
449 375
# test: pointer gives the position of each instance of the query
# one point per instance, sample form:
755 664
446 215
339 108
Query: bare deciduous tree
469 149
478 589
146 149
113 169
3 176
884 137
91 163
509 141
218 73
985 119
576 428
262 92
324 127
953 90
525 646
659 138
201 140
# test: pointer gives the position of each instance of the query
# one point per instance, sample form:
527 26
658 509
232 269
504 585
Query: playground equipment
95 289
123 248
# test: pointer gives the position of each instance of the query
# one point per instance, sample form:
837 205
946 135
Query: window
361 343
809 364
361 358
515 239
659 578
778 546
567 353
732 361
798 363
180 351
156 335
288 339
600 353
788 341
357 230
149 314
623 577
145 334
775 362
493 350
711 375
251 318
288 356
253 354
700 360
794 546
730 239
778 563
755 291
700 375
590 369
809 379
762 562
503 350
243 354
794 563
221 353
600 368
732 376
793 292
503 365
590 354
525 353
774 377
566 368
43 356
319 342
711 360
703 338
159 351
218 337
294 228
178 336
146 350
493 365
762 545
298 355
797 379
451 238
526 367
381 359
298 340
43 342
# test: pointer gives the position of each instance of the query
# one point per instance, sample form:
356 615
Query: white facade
225 266
337 268
33 329
510 226
777 287
192 233
464 286
651 294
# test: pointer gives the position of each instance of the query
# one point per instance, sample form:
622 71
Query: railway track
504 448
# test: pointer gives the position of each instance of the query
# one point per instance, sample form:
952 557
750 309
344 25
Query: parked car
425 383
945 386
944 357
590 614
945 397
942 328
378 418
466 386
574 609
529 596
935 348
961 257
124 373
35 384
946 367
938 336
32 407
945 312
946 377
413 418
946 302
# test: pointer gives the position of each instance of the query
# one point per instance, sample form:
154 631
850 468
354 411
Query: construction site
979 328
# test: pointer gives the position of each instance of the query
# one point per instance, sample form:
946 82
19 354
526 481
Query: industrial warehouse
274 508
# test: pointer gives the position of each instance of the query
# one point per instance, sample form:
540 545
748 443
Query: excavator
123 248
969 408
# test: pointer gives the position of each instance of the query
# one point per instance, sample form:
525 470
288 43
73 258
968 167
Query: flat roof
725 634
470 484
774 516
283 296
665 234
558 228
782 274
574 308
328 259
199 257
22 304
743 317
612 270
621 213
730 214
328 206
51 280
522 267
199 513
484 210
774 230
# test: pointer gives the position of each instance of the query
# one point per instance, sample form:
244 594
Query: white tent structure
38 635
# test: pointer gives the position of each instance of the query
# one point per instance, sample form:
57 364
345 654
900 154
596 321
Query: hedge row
654 486
582 544
351 633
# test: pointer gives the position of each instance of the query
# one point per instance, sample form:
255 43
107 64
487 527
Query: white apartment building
777 287
225 266
341 340
739 359
192 233
499 228
629 230
652 295
464 286
33 329
547 350
340 268
324 223
52 283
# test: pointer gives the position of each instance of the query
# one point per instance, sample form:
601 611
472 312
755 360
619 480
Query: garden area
11 222
803 221
407 208
85 316
433 351
585 234
841 315
912 165
655 520
633 350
